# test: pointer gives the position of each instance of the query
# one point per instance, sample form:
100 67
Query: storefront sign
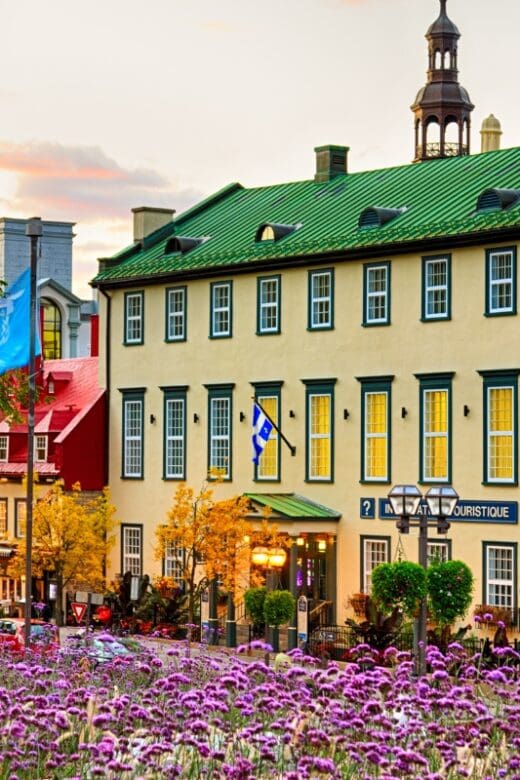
303 620
468 511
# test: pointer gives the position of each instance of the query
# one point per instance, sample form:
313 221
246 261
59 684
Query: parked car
44 636
98 648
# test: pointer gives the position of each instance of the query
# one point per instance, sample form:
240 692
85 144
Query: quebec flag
262 428
14 324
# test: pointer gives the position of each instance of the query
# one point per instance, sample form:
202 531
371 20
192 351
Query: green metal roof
292 505
438 199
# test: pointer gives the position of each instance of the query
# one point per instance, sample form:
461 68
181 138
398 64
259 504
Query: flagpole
277 429
34 231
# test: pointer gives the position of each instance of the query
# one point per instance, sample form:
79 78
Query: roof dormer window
496 199
374 216
182 244
274 231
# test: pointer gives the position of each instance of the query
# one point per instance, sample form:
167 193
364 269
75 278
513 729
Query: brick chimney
331 161
148 219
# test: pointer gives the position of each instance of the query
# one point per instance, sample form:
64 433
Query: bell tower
442 107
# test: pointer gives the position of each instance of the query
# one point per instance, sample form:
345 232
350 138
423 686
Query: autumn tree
215 537
72 534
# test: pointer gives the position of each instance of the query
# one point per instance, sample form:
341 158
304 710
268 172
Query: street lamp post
407 504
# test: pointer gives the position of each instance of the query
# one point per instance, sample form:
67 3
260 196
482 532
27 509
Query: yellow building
373 314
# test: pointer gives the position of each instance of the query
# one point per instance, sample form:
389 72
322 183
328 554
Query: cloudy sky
111 104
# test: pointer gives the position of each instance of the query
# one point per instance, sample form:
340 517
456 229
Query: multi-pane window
374 550
20 517
219 429
321 312
436 288
51 330
40 448
375 441
175 433
4 449
268 464
435 404
500 574
176 314
438 552
501 281
133 434
320 415
131 549
173 562
134 318
376 303
3 516
220 309
500 425
268 306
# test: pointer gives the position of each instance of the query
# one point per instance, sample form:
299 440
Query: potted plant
358 603
279 606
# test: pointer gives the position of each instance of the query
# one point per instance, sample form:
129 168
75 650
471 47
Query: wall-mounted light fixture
242 417
466 410
195 418
404 411
291 413
346 414
152 418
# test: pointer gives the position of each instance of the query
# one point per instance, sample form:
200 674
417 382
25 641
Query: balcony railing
433 150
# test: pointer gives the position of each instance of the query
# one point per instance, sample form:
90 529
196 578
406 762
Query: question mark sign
366 507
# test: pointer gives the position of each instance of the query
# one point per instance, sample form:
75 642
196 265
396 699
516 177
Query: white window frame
174 442
429 434
269 304
221 313
320 304
375 551
3 517
134 306
503 587
220 434
4 449
40 448
173 562
495 282
273 437
433 289
377 435
438 552
377 298
20 517
492 433
176 313
133 437
131 549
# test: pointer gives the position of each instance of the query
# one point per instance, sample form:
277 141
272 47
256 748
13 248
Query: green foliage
254 599
450 590
279 606
400 584
379 630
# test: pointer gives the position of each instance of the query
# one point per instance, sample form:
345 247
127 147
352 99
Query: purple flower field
201 713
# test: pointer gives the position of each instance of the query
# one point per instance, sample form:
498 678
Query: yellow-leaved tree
215 538
72 534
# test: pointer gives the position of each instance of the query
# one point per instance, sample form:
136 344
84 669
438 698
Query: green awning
293 506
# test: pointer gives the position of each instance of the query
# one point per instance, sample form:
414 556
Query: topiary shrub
450 590
401 584
279 606
254 599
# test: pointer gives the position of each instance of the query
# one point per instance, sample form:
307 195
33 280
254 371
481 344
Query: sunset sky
112 104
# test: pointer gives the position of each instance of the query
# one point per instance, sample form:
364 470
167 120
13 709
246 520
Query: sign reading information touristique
469 512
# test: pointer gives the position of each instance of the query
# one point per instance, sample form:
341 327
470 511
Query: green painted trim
376 385
371 538
367 267
213 286
512 310
174 394
180 288
514 547
122 547
319 387
133 294
278 304
427 383
263 390
311 274
214 392
506 378
127 397
426 259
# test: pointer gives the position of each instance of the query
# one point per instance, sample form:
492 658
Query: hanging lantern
260 556
277 557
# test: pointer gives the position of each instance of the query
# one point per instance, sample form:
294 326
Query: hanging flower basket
485 614
358 603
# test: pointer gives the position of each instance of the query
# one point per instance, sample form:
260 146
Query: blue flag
262 428
14 324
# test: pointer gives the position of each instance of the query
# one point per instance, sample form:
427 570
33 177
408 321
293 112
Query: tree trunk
59 599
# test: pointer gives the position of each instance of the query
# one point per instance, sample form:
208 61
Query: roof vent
181 244
497 199
374 216
274 231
